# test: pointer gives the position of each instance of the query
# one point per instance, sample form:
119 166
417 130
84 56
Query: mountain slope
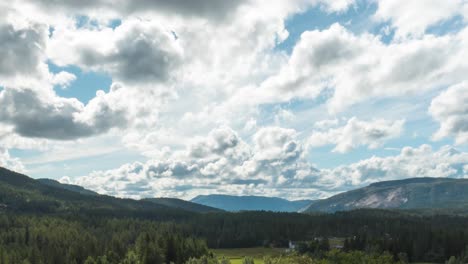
70 187
169 202
250 203
414 193
19 193
182 204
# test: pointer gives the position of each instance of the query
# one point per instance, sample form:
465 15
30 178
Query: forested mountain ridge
70 187
19 193
413 193
182 204
45 224
169 202
251 203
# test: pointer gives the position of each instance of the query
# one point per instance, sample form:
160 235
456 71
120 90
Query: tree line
111 238
53 240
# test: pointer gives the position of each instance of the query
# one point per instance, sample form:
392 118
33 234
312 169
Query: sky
295 99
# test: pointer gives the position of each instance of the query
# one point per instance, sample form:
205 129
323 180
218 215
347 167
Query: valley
52 223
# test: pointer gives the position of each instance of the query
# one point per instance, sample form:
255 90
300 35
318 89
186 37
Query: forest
32 238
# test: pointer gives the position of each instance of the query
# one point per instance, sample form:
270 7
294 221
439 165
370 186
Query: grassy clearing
235 255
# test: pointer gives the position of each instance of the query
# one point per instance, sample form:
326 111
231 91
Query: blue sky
316 96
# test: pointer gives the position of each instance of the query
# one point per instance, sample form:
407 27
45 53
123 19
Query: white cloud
450 109
220 141
9 140
326 123
361 67
412 162
44 115
210 9
137 51
187 76
39 113
412 18
220 160
271 166
195 63
9 162
22 49
357 133
63 79
276 144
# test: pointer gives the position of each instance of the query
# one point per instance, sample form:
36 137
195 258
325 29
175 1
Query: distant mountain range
182 204
251 203
414 193
21 193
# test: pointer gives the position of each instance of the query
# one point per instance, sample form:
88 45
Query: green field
236 255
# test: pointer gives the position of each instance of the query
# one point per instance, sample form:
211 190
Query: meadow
235 255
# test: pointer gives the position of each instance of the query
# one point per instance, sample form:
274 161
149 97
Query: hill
414 193
251 203
182 204
19 193
169 202
70 187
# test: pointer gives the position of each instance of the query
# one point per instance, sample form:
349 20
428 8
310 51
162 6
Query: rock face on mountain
251 203
414 193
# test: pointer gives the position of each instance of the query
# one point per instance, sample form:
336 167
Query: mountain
70 187
414 193
251 203
182 204
169 202
19 193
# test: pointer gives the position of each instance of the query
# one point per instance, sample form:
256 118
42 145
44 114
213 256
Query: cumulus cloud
412 18
276 144
218 58
9 140
220 160
269 166
42 115
360 67
22 49
181 69
63 79
135 52
9 162
412 162
210 9
220 141
202 63
357 133
204 8
450 109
